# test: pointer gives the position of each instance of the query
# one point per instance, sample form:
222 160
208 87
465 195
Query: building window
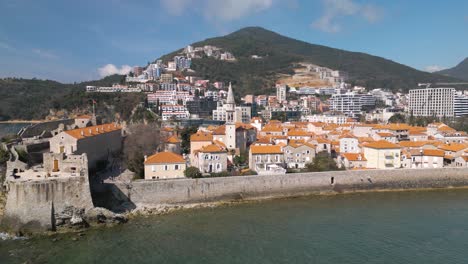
166 167
176 167
153 168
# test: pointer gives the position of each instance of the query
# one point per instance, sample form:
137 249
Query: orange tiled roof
212 148
266 150
269 128
415 144
92 131
173 140
219 143
365 139
298 133
354 156
433 152
221 130
453 147
164 157
382 144
347 135
201 136
84 117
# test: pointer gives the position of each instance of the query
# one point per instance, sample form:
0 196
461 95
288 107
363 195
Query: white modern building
349 104
437 102
460 104
281 92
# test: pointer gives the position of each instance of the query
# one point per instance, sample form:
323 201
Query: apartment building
432 102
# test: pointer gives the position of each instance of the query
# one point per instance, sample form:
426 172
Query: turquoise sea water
399 227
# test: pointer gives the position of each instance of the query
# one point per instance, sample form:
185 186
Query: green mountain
460 71
28 99
280 52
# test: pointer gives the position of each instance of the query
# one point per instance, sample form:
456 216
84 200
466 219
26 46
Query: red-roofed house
98 142
164 165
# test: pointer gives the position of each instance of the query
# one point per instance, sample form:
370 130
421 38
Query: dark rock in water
103 216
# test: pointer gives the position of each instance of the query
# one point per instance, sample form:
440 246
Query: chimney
82 132
146 157
90 131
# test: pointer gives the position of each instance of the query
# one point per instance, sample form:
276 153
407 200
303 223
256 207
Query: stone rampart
31 205
185 191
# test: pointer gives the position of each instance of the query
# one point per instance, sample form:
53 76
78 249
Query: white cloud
433 68
110 69
335 9
175 7
45 54
226 10
229 10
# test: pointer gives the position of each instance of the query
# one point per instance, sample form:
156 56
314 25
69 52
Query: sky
73 41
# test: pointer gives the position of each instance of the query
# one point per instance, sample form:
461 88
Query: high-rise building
460 105
281 93
437 102
349 104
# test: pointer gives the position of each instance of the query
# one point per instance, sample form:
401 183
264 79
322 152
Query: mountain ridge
364 69
460 71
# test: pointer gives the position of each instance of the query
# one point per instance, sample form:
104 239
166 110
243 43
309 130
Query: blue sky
70 41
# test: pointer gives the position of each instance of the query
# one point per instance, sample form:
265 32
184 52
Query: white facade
432 102
349 103
460 107
281 93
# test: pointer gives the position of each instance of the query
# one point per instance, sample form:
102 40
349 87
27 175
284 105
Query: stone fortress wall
185 191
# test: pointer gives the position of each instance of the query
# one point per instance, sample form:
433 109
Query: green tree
192 172
185 138
397 118
322 162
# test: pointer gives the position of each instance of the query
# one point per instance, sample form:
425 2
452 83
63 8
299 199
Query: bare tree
142 139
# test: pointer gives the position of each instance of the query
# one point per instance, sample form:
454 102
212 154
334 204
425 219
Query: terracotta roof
433 152
219 143
382 144
450 157
415 144
266 150
221 130
164 157
298 133
212 148
427 152
270 128
453 147
92 131
354 156
201 136
173 140
445 128
347 135
365 139
167 129
84 117
263 140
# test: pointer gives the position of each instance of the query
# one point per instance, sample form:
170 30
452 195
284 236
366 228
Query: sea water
392 227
